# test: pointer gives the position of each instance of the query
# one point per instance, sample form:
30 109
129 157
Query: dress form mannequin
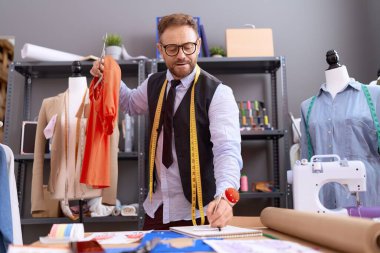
77 89
346 126
76 97
71 119
377 81
336 75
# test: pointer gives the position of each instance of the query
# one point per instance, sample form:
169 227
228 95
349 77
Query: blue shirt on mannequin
344 126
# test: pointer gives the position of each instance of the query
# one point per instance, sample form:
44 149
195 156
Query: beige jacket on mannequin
58 170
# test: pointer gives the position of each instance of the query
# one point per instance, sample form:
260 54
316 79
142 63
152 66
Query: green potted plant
217 51
113 45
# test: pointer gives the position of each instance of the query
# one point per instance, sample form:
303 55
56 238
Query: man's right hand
97 68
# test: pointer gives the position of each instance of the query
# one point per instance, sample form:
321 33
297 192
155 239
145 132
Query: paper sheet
258 246
124 237
37 53
33 249
204 231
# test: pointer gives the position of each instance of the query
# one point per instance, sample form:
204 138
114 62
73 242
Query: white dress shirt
225 135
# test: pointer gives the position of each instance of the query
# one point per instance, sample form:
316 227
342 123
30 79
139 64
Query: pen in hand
216 207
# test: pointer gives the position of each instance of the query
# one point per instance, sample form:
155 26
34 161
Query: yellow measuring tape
196 187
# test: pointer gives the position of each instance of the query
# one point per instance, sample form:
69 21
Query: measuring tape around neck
196 187
373 114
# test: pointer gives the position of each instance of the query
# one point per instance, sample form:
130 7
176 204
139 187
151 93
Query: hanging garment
344 126
16 223
6 234
102 128
60 172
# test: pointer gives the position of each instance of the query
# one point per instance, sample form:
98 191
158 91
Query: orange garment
101 122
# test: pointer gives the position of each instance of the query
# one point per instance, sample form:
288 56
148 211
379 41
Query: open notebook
205 231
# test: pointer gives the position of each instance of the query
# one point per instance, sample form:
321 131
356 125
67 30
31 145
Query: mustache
182 62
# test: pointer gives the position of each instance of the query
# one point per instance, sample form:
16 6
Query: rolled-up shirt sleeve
134 101
225 135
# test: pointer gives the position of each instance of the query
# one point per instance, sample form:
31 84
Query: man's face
181 64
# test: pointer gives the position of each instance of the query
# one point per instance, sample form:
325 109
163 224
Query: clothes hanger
100 60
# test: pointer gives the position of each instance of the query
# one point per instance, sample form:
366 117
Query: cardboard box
249 42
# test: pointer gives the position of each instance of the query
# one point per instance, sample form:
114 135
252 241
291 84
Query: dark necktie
167 153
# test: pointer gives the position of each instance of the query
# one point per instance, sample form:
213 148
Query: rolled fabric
343 233
129 210
38 53
97 209
67 212
364 212
116 211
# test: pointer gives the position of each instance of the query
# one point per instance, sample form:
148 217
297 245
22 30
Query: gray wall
303 30
374 18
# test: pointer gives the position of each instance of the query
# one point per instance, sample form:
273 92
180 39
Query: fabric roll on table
343 233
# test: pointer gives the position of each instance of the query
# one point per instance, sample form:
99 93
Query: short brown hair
176 19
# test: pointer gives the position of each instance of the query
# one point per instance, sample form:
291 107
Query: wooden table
240 221
254 222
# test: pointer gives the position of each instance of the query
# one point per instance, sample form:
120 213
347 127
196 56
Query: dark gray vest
204 91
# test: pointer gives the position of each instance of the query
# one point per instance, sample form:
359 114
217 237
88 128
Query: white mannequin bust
336 80
76 90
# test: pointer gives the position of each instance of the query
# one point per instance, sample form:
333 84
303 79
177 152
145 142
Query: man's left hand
221 216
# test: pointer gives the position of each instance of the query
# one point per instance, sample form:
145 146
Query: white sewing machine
308 178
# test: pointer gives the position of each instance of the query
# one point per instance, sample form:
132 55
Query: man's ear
159 47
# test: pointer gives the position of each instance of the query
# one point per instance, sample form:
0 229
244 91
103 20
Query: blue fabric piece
6 231
198 245
344 126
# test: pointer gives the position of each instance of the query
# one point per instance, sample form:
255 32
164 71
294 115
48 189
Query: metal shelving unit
111 219
260 195
276 69
30 71
262 135
121 156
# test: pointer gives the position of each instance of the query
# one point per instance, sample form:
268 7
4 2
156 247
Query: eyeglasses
188 48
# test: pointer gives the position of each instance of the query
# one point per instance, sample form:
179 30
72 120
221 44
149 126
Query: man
170 201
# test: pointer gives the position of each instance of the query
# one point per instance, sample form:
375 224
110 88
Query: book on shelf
205 48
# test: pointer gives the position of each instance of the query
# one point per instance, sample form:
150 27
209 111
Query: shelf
262 134
33 221
110 219
128 155
253 67
257 195
121 155
63 69
64 220
235 65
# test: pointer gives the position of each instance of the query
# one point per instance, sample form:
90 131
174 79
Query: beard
181 69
